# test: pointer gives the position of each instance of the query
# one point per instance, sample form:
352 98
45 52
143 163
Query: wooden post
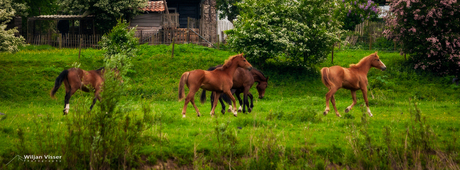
141 40
188 30
332 54
79 52
60 41
218 41
172 53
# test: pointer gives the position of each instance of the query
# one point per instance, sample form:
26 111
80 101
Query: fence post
79 52
188 30
172 53
60 41
218 41
332 54
141 40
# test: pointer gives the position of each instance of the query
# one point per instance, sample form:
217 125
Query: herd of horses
235 76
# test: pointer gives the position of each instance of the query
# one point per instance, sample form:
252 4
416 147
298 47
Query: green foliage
228 9
105 11
9 42
354 12
302 32
120 40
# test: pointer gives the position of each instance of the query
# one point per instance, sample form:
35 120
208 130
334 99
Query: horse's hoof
229 110
222 111
325 113
199 115
240 110
347 110
338 115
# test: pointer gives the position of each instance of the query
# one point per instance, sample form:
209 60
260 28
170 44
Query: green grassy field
286 129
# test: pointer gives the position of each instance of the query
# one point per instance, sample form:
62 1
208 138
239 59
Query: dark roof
60 17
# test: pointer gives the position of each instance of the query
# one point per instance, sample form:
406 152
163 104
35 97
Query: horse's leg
364 90
68 94
96 97
66 102
252 102
214 104
245 101
233 100
241 102
353 95
222 103
190 97
329 95
335 108
196 108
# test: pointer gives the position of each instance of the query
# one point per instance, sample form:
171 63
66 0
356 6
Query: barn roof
154 6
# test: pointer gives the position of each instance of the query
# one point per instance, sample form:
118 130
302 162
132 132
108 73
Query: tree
228 8
301 32
428 30
8 42
354 12
106 11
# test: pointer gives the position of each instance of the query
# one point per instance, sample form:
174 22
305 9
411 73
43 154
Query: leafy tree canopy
106 11
295 32
228 8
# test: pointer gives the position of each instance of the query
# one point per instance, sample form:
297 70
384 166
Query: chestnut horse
76 78
219 80
243 80
353 79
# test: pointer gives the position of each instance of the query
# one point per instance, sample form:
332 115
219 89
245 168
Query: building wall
147 20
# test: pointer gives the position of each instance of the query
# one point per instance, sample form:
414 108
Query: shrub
302 32
429 31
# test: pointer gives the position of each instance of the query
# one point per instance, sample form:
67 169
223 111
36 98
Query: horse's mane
361 61
260 72
228 62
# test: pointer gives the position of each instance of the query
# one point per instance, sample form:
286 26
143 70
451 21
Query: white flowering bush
300 31
429 30
8 42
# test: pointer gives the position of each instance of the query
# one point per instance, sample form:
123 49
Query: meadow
415 123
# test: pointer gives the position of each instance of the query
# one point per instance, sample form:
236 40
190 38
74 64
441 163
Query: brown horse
243 80
353 79
76 78
219 80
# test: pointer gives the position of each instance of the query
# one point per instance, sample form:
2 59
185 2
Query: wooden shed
186 21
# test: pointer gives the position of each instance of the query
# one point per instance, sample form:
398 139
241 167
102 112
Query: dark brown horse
243 80
219 80
76 78
353 79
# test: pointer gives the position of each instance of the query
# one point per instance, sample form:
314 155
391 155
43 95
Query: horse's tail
226 98
58 82
183 80
324 76
203 96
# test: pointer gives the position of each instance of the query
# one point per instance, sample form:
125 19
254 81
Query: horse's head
376 62
261 88
241 61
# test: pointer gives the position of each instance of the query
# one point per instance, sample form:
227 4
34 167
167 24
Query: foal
76 78
243 80
219 80
353 79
